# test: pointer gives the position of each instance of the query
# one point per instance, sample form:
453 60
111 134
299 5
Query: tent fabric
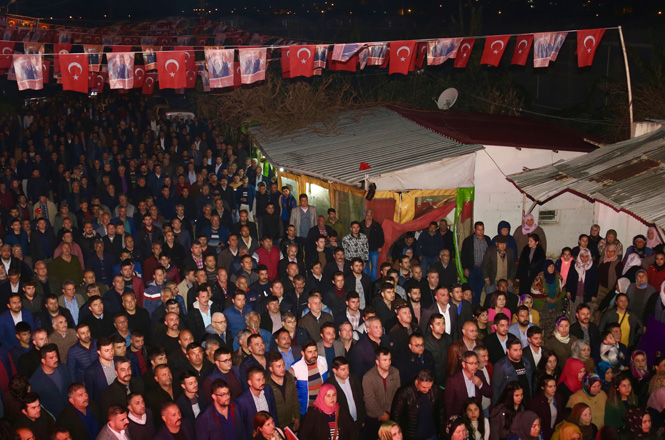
393 230
455 172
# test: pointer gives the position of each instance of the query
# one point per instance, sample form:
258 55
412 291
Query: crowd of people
159 284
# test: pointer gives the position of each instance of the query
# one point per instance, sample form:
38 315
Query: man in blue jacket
9 318
51 380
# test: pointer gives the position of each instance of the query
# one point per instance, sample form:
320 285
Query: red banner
464 52
587 43
494 48
171 67
522 49
74 72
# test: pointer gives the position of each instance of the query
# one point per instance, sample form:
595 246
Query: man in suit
362 355
8 319
496 341
117 424
465 384
246 402
442 305
96 376
80 416
328 346
534 351
52 389
512 367
349 390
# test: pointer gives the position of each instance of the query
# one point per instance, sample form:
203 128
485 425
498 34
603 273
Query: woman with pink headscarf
529 226
326 419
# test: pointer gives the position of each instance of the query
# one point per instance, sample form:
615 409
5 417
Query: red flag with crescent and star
139 76
464 52
6 52
401 53
190 56
171 68
74 70
494 48
301 61
100 81
237 81
587 43
191 79
149 83
522 49
419 59
284 61
59 49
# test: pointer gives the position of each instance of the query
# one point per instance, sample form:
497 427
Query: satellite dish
447 99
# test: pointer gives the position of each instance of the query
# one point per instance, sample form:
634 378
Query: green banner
464 195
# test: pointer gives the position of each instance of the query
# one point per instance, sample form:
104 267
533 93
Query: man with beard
520 327
124 383
310 372
255 398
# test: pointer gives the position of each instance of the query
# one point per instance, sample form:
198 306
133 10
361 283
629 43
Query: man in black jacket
116 393
473 251
584 329
349 390
416 397
416 359
78 408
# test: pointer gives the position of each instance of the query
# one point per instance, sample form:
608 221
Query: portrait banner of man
121 70
219 63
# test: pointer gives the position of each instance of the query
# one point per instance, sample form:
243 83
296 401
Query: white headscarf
632 261
582 267
526 229
655 241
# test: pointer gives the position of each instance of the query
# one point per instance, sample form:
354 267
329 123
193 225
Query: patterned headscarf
634 417
526 229
637 374
587 383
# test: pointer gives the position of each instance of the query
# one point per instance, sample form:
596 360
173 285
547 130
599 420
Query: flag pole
630 90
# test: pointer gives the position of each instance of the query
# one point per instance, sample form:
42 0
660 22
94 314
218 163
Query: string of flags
176 67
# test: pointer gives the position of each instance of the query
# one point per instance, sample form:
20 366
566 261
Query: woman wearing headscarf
640 376
641 296
548 291
561 343
504 229
653 239
526 426
593 395
631 265
610 238
594 240
548 405
606 373
619 399
530 263
570 381
582 350
326 419
582 417
529 226
638 248
655 407
638 425
567 431
582 283
609 270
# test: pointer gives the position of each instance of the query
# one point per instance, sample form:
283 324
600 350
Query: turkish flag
284 62
46 68
100 81
419 59
522 49
587 43
171 67
301 61
6 52
464 52
349 66
139 76
401 53
59 49
149 83
494 48
191 79
190 56
74 72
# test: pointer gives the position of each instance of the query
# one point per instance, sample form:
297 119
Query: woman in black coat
530 264
542 405
323 415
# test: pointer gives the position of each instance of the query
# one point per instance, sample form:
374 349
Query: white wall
498 199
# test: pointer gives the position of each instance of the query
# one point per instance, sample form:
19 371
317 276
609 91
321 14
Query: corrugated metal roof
628 175
382 138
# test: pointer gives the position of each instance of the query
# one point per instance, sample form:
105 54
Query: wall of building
498 199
